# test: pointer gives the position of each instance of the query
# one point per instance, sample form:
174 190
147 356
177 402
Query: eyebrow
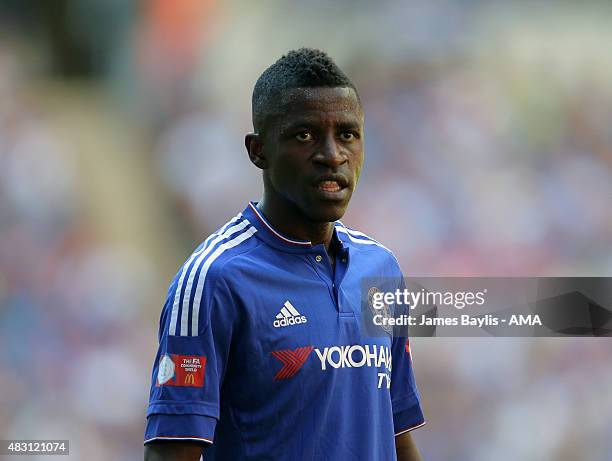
310 123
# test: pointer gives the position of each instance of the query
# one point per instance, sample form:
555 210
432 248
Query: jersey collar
276 239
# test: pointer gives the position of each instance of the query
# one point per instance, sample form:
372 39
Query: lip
335 196
340 178
326 191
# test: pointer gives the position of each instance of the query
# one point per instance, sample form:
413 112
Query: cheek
291 161
286 170
358 164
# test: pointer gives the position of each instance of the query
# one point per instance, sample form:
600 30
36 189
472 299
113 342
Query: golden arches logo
190 379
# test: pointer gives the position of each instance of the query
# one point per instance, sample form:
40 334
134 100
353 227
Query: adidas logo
289 315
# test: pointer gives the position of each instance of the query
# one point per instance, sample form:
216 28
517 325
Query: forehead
318 104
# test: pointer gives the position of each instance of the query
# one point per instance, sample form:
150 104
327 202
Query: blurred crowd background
489 152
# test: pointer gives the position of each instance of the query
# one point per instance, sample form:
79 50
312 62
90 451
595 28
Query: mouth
332 186
329 186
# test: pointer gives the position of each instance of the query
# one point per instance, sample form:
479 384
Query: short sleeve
189 368
405 398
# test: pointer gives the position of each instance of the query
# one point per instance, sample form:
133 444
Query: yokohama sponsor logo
351 356
355 356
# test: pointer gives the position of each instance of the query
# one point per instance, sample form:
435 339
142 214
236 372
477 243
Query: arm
187 374
405 398
172 451
406 449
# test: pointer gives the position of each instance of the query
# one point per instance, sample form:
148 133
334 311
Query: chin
327 213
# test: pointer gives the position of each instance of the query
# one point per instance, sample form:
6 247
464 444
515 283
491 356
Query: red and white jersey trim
403 431
195 439
271 229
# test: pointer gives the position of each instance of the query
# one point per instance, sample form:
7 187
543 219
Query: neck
292 223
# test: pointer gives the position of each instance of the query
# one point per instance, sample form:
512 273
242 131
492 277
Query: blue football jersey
263 354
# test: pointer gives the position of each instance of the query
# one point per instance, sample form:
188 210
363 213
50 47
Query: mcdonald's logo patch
181 370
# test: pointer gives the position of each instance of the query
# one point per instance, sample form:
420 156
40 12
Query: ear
254 146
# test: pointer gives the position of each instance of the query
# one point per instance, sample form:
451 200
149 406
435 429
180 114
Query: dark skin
311 152
173 451
310 149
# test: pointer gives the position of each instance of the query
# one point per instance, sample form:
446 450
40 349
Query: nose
329 152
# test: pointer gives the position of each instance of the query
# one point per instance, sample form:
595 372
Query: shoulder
203 274
360 240
222 246
363 242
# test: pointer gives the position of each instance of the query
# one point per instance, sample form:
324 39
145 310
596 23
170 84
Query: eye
348 136
303 136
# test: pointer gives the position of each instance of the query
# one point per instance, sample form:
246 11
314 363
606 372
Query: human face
313 150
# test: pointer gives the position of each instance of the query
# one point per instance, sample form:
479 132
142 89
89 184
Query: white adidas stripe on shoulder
202 278
226 231
179 287
194 270
359 237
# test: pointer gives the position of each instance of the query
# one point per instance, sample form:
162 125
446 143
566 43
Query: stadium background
489 152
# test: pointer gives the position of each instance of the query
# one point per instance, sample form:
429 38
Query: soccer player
262 351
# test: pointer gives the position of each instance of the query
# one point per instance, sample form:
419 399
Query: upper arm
405 398
184 402
172 451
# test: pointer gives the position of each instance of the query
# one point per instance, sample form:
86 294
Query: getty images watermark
487 306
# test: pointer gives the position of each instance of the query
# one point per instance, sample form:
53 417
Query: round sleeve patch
166 370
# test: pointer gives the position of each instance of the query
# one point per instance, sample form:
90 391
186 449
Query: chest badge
385 311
